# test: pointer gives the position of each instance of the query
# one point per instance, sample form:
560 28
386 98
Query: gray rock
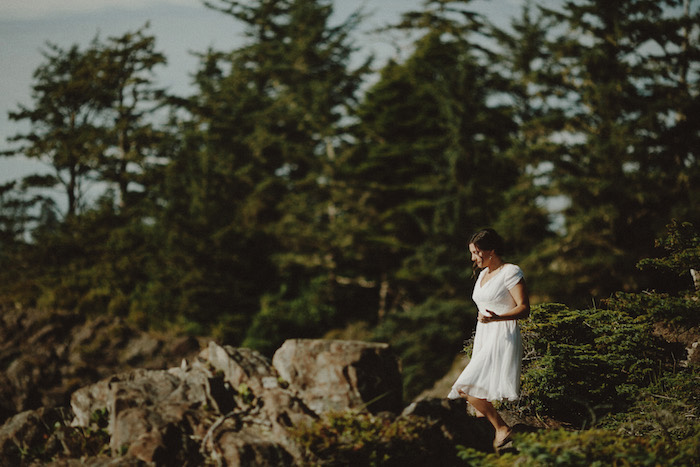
334 375
251 446
25 432
244 369
228 406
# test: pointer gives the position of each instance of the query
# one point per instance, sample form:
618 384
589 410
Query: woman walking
493 373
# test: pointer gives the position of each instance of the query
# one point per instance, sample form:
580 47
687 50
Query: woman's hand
487 318
521 309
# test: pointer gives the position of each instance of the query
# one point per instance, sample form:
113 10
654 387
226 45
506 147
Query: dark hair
488 239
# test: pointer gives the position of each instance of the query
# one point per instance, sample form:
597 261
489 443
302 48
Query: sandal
507 439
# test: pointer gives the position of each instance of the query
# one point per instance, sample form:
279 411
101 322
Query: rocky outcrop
232 406
45 356
336 375
225 405
316 402
25 432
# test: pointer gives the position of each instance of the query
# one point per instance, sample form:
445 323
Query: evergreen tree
429 167
525 220
595 149
89 123
126 71
65 132
670 168
20 215
249 178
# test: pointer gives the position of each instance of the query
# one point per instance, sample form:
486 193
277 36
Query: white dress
493 373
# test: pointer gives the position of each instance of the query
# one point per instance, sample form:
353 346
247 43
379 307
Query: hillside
98 391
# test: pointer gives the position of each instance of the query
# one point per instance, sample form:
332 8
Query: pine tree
595 149
249 178
126 70
429 167
65 131
525 220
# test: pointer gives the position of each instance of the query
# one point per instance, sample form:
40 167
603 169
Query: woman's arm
521 309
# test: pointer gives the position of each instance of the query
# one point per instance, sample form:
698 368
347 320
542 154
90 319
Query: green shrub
307 315
673 310
361 439
669 409
586 448
580 363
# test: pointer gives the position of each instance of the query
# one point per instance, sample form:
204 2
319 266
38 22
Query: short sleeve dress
493 373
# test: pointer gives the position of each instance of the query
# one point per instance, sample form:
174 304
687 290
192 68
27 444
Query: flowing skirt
493 373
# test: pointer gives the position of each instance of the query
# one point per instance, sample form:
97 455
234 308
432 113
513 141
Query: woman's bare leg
465 396
485 407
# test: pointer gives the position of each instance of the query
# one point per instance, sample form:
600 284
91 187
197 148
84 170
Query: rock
46 355
150 411
452 425
227 406
244 369
256 381
250 446
161 416
25 432
88 400
333 375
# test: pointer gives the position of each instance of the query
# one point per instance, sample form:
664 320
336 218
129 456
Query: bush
589 448
580 363
361 439
674 310
668 410
308 315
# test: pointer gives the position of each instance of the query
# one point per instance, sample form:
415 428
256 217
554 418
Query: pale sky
179 26
33 9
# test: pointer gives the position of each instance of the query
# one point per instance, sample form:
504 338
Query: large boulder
197 410
335 375
156 415
264 401
244 369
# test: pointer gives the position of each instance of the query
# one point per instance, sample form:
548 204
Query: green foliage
586 448
306 315
362 439
594 150
76 95
667 410
672 310
581 363
682 245
289 195
427 133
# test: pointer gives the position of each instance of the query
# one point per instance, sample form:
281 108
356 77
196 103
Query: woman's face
481 258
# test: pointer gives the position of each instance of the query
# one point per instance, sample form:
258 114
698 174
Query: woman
493 373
